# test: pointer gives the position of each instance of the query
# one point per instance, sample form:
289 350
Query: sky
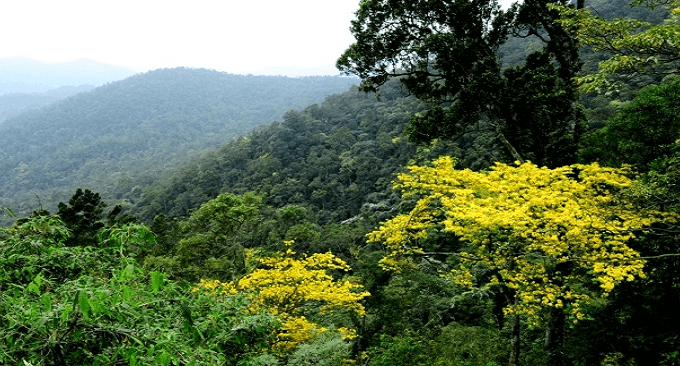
235 36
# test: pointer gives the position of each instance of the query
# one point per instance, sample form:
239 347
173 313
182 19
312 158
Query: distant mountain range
140 128
298 71
13 104
25 75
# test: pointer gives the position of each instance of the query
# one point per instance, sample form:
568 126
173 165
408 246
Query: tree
211 240
546 126
638 322
657 188
635 47
295 288
642 132
83 216
446 54
548 239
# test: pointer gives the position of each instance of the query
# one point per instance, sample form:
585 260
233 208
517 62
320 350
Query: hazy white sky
236 36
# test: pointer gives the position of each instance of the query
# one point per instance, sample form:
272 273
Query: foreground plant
293 288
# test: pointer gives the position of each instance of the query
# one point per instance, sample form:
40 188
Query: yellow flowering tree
290 287
545 234
549 240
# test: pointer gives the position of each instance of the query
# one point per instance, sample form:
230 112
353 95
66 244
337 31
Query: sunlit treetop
636 47
551 237
287 287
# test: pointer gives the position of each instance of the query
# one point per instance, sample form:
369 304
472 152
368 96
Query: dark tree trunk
515 342
554 337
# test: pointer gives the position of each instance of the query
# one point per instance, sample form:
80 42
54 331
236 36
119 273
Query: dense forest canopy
140 128
481 206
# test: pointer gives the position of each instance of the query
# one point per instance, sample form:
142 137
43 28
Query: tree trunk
554 337
508 145
514 342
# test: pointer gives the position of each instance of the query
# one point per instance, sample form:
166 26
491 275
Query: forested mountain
24 75
144 125
13 104
129 133
333 157
472 212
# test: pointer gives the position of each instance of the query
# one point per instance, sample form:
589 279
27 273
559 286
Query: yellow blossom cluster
545 234
285 286
295 331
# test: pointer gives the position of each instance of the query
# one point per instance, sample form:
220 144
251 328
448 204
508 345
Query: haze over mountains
145 124
13 104
25 75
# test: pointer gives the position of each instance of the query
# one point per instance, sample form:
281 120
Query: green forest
138 129
484 187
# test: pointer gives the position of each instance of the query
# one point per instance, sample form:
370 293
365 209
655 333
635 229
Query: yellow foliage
286 285
296 331
545 234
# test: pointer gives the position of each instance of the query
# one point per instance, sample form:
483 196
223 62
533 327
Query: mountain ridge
142 125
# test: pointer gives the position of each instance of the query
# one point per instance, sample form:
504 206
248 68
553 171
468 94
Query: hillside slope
336 158
143 125
13 104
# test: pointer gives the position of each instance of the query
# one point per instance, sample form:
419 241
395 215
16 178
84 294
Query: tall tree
642 132
446 54
551 240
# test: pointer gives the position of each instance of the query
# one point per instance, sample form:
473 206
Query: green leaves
91 306
136 317
157 281
34 286
4 211
446 54
83 304
635 47
642 132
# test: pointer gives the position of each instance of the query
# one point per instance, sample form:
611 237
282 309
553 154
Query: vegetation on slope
260 254
142 126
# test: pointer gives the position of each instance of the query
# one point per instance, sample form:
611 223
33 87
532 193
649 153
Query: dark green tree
545 126
210 243
446 54
642 132
83 216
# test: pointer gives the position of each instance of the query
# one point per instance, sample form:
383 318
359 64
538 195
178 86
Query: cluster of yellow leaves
295 331
543 233
636 46
286 285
